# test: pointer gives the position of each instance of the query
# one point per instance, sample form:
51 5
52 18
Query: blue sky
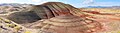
76 3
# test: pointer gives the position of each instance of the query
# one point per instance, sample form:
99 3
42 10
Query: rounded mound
70 24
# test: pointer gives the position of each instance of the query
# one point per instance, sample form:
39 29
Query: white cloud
26 1
88 2
36 0
7 1
106 4
42 1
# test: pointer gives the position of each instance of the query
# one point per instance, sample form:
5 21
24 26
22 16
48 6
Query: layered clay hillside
57 17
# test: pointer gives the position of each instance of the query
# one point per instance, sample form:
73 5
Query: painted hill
36 16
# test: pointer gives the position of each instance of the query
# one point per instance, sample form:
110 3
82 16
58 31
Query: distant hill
111 7
10 7
115 7
14 4
95 7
